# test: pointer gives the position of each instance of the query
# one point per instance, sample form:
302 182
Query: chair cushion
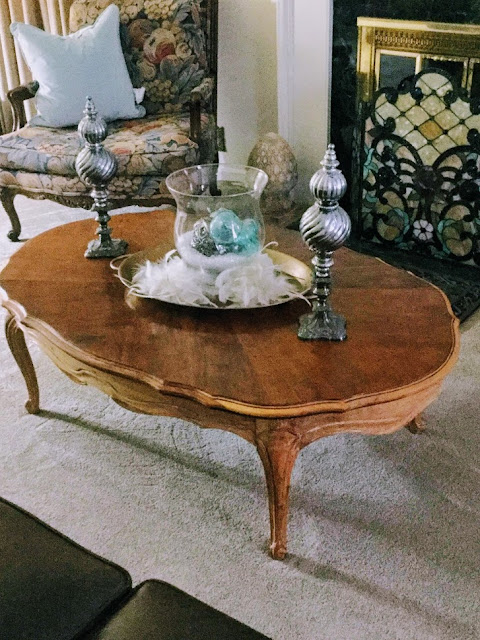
69 68
50 588
158 611
134 188
164 46
156 145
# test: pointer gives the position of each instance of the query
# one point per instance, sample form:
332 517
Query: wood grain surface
400 329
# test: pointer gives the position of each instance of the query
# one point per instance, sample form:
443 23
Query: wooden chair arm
17 97
199 95
204 91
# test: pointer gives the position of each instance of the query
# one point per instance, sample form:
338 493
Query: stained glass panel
433 105
405 102
459 134
453 67
443 143
430 130
446 119
428 154
403 127
434 83
421 169
387 110
461 108
417 115
416 139
473 122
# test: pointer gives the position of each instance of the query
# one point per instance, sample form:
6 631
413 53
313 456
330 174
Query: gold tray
298 272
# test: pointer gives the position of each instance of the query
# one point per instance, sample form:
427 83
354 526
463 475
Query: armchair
170 47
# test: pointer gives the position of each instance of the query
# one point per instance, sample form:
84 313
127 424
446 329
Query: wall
247 74
311 87
247 99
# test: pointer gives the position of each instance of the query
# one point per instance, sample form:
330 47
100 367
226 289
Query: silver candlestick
96 166
324 227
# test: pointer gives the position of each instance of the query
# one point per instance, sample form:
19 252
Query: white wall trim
247 74
286 68
304 51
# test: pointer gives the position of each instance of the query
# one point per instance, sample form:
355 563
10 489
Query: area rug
383 532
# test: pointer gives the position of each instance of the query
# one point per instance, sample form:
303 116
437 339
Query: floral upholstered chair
170 48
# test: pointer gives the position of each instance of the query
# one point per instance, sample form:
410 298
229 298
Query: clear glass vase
218 223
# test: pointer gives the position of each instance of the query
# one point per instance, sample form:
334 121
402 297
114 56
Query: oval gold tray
297 271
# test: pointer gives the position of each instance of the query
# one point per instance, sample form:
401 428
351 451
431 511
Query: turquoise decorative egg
248 240
225 227
232 235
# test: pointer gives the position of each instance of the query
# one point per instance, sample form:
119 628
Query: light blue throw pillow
88 62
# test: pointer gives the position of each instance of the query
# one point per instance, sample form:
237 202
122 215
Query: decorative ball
248 241
202 241
232 235
273 154
225 228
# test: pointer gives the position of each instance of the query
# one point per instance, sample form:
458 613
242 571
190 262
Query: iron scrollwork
421 168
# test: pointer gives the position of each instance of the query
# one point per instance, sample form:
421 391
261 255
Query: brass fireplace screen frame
420 40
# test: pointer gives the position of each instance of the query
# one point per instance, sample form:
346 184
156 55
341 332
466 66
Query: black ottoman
53 589
50 587
158 611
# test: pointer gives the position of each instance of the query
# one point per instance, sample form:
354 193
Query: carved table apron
243 371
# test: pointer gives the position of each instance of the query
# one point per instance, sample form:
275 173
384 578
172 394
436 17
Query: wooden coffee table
243 371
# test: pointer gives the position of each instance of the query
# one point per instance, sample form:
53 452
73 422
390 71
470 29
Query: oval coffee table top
402 334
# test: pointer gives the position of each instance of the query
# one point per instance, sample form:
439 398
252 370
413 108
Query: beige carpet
384 531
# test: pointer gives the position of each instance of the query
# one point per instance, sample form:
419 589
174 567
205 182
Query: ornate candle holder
96 166
324 227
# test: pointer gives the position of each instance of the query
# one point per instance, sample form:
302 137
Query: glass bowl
218 224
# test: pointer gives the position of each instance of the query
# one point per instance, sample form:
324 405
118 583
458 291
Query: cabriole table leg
278 451
18 347
417 425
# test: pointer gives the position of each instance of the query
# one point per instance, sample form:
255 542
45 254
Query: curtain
50 15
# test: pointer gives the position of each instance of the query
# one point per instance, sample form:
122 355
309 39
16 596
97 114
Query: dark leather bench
53 589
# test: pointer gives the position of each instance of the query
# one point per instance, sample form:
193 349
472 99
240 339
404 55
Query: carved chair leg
6 197
278 451
18 347
417 425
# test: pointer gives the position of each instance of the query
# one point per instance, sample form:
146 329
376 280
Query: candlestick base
114 248
322 324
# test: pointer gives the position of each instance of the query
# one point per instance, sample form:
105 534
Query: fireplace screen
421 168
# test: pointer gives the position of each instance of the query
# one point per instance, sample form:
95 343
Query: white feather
257 283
